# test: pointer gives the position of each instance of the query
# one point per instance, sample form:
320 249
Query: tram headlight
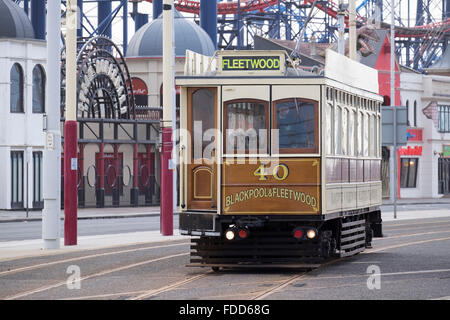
230 234
311 233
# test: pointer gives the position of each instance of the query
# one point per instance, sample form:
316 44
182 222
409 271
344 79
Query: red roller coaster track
192 6
223 8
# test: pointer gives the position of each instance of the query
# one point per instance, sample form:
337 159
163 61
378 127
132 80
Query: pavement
31 248
129 212
28 248
83 213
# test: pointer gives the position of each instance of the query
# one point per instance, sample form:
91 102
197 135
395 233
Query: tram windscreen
246 127
203 104
295 120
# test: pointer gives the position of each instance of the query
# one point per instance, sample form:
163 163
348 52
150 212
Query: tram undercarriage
263 241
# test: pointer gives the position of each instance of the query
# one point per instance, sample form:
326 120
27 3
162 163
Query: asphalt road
15 231
412 261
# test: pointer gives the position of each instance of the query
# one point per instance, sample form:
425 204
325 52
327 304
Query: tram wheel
215 269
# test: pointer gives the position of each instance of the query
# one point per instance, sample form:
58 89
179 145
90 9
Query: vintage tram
278 165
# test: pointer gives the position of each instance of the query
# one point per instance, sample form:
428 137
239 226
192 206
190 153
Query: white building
22 106
424 164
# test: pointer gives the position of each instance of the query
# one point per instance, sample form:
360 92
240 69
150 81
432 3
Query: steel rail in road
293 279
143 294
98 274
285 283
97 255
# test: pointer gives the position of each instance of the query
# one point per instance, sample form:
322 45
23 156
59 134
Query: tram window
246 127
203 105
296 122
372 134
344 131
378 136
359 133
351 133
366 135
337 131
329 127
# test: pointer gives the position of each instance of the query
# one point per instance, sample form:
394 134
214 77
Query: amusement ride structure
422 27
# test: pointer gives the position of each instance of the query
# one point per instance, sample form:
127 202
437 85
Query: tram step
346 232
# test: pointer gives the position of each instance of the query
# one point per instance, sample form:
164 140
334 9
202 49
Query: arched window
337 130
344 129
16 89
329 115
38 89
407 113
415 113
351 132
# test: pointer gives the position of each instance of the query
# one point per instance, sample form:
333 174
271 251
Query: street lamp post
167 179
70 128
393 104
52 151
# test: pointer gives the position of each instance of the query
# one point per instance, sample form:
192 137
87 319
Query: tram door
201 169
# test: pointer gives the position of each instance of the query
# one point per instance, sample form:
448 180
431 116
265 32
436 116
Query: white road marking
59 284
86 257
411 235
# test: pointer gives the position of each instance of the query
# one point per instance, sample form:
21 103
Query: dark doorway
38 199
444 175
17 179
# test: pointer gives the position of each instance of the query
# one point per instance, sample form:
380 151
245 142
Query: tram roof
269 66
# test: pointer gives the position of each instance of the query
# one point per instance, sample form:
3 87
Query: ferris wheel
104 88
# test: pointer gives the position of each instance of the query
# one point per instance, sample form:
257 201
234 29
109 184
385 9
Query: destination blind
250 63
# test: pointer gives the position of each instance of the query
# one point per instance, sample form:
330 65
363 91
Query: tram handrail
213 187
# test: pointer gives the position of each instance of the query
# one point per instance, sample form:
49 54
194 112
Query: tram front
250 163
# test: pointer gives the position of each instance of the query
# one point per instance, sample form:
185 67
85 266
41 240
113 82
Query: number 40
262 173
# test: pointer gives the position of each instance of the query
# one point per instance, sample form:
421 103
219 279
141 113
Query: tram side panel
352 157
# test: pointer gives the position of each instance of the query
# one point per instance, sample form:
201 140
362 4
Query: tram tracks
146 294
293 279
98 274
97 255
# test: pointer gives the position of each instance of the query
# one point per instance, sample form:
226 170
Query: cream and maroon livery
264 147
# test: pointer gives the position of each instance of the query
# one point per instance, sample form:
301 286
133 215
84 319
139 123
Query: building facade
424 163
22 109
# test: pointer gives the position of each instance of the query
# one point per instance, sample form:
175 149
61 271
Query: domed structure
147 41
14 23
